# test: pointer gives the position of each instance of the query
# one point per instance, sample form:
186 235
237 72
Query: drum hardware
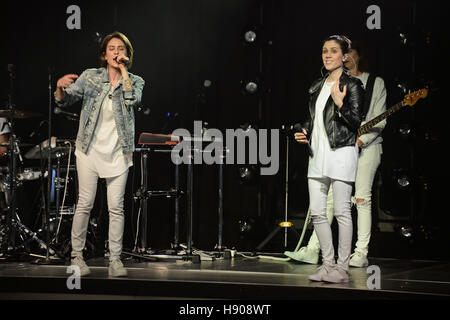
15 230
43 150
27 236
19 114
50 142
60 183
29 174
62 203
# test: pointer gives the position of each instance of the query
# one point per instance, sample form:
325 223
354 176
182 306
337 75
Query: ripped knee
317 217
361 201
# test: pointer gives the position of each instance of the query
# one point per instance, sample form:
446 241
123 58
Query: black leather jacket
341 124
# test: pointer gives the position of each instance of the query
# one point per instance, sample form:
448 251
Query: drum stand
14 226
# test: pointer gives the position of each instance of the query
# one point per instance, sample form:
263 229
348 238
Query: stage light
251 87
207 83
406 232
248 173
97 37
403 182
250 36
404 130
402 87
245 174
245 226
403 38
246 127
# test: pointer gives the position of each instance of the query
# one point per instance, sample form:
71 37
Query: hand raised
66 80
338 95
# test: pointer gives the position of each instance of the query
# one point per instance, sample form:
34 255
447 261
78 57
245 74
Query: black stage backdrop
181 43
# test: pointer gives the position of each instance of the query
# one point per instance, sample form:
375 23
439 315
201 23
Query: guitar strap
369 91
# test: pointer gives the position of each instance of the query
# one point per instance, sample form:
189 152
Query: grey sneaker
337 275
116 269
358 260
304 255
322 271
79 262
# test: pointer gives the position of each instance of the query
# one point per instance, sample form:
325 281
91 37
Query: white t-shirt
105 154
338 164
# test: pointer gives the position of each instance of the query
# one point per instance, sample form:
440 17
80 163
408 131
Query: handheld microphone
58 110
122 61
298 128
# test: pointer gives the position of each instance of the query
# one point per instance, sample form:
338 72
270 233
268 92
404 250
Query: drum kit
56 208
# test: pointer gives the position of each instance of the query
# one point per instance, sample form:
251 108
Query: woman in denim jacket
105 140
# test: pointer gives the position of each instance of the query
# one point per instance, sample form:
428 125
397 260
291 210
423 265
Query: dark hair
121 36
343 42
363 64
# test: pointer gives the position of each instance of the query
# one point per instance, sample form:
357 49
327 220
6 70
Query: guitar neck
369 125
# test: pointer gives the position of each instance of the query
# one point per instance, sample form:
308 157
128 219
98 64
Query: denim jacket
92 88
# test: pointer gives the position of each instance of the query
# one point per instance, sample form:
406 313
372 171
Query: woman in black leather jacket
335 114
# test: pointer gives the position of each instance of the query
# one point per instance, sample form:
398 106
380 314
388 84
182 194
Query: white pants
87 181
368 163
318 194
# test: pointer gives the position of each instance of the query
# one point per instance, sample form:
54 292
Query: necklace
111 92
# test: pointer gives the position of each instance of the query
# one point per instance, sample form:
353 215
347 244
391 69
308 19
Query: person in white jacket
369 159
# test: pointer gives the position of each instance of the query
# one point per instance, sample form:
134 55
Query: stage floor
235 278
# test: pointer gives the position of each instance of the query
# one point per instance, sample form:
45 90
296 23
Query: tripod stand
285 225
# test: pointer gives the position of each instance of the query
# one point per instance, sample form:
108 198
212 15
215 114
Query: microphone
122 61
31 135
58 110
298 128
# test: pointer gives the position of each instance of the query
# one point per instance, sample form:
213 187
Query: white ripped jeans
318 194
368 162
87 181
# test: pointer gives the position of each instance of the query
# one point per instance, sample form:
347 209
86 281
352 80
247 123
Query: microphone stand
47 259
286 225
12 163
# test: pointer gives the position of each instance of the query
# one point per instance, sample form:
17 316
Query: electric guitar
409 100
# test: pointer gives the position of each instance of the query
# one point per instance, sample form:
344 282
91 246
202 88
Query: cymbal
6 144
19 114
